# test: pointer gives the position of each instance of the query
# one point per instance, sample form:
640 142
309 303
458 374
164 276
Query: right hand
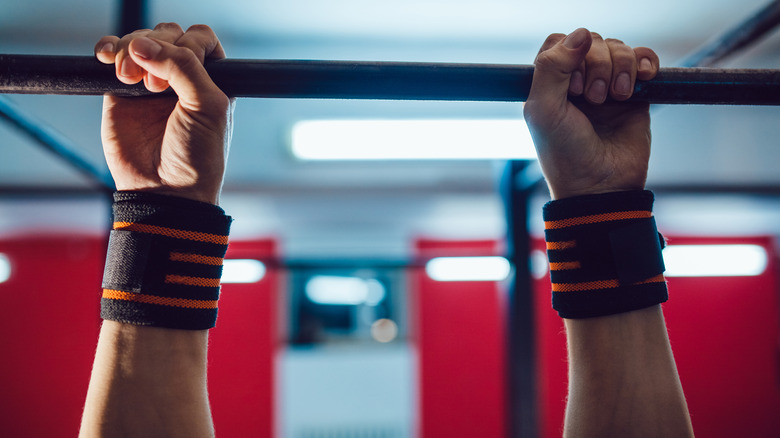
593 146
169 145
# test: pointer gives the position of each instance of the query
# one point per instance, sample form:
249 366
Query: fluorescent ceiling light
714 260
468 268
242 271
337 290
412 140
5 268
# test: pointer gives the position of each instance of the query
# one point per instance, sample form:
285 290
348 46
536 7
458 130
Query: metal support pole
55 143
523 414
739 37
132 16
84 75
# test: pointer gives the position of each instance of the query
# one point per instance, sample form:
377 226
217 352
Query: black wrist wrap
164 261
605 254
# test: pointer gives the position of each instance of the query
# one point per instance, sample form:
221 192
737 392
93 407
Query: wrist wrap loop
164 261
605 254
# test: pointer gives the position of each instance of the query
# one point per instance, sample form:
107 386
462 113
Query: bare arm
148 382
622 376
151 381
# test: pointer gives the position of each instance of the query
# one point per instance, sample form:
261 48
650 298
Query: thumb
179 67
555 65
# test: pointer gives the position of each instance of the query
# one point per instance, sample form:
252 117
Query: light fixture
468 268
714 260
242 271
414 139
343 290
5 268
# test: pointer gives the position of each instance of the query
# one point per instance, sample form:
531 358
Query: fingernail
623 84
598 91
575 39
107 47
128 68
576 84
645 64
146 48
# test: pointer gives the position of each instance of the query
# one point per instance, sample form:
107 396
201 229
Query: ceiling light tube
468 268
5 268
242 271
418 139
714 260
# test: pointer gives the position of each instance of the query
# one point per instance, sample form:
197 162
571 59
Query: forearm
148 382
622 378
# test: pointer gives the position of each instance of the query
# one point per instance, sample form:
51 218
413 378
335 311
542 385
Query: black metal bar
132 16
744 34
83 75
523 413
55 143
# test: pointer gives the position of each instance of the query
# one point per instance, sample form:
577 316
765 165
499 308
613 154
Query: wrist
164 261
210 196
605 254
559 193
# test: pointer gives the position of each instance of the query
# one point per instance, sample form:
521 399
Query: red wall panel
725 337
460 336
724 334
242 349
48 332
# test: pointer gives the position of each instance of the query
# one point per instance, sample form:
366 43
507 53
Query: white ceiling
694 144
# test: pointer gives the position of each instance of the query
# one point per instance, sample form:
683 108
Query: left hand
170 145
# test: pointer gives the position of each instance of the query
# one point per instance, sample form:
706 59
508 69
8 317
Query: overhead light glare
414 139
242 271
5 268
714 260
342 290
468 268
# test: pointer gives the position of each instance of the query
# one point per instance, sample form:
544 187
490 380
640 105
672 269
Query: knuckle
545 59
200 28
596 36
554 38
599 65
168 26
184 57
614 41
138 32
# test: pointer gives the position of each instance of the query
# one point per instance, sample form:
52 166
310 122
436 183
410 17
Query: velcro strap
605 254
164 261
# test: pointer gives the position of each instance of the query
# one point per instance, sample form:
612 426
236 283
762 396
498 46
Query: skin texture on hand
595 143
168 145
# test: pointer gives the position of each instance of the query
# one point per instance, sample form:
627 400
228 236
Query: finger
598 71
648 63
577 82
127 70
181 69
553 70
168 32
105 49
202 40
551 40
623 70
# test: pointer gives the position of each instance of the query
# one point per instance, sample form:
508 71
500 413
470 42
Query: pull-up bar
84 75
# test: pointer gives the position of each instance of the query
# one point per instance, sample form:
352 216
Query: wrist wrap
164 261
605 254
